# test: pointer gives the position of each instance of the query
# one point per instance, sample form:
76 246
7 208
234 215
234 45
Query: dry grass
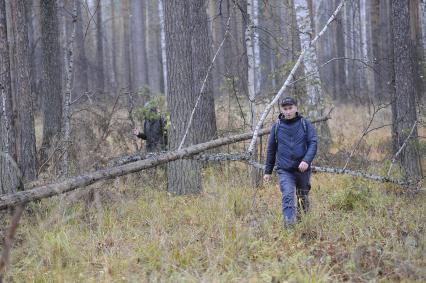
133 231
356 231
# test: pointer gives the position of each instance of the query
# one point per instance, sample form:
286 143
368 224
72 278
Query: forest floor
131 230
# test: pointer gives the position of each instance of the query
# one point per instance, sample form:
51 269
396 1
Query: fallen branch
69 184
73 183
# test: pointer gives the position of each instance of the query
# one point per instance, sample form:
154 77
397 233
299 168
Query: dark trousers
294 186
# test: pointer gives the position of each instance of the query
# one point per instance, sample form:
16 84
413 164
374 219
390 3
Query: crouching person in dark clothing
154 131
292 146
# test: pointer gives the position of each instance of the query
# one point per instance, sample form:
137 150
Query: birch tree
163 45
253 81
365 43
310 61
66 105
315 99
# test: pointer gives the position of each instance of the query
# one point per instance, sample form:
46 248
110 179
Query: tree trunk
325 47
66 106
31 11
163 45
137 14
51 78
353 50
127 48
205 116
114 49
416 37
8 174
25 121
285 56
100 79
365 47
184 176
253 83
153 48
422 8
315 101
382 49
81 83
405 114
339 44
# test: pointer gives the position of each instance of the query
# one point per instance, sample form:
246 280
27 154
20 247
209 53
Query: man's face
289 111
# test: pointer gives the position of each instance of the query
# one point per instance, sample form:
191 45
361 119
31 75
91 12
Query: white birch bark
163 44
368 75
253 82
313 86
256 47
66 112
348 26
253 56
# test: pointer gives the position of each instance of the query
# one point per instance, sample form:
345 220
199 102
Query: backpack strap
277 124
303 124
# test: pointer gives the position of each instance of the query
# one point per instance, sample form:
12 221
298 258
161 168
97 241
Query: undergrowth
356 230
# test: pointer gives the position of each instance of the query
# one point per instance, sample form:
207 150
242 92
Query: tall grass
133 231
356 231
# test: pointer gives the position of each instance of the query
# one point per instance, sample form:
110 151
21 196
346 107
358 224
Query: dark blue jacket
294 144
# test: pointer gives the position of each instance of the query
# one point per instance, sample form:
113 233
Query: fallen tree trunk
126 159
73 183
44 191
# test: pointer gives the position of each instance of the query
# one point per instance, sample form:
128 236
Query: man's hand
267 178
136 131
303 166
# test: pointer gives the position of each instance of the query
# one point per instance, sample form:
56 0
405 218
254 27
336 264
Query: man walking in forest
292 146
